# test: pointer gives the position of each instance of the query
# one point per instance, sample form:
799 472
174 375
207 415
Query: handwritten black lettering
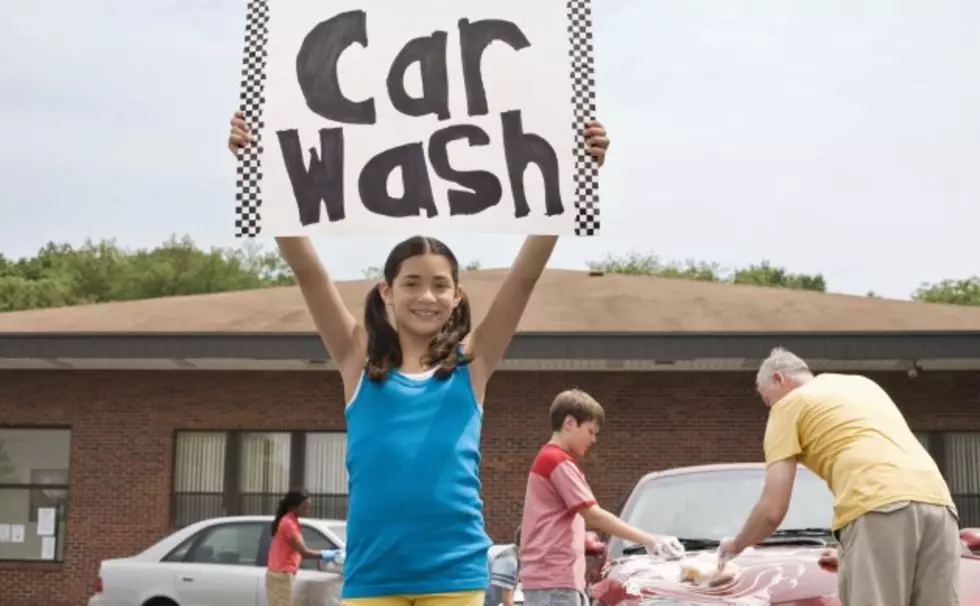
417 196
486 190
474 38
430 54
320 182
323 181
522 149
316 69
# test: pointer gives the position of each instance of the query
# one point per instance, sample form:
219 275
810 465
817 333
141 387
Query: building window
263 473
199 476
325 474
957 454
33 493
246 473
961 454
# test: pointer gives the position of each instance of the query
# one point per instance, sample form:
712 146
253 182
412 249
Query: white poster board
384 116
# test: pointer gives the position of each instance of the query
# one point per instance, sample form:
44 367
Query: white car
219 562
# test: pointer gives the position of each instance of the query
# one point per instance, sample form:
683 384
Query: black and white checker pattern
248 220
581 53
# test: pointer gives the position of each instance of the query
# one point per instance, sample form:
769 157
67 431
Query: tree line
96 272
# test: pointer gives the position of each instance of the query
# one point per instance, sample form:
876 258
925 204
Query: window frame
936 447
30 487
232 495
316 564
194 541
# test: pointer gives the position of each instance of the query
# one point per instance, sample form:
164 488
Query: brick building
129 419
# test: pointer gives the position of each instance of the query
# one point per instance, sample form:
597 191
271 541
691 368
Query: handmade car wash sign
387 116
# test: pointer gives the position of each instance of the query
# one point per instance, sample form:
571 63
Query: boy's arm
600 519
570 482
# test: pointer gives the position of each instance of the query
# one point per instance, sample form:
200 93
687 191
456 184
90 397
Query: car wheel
160 602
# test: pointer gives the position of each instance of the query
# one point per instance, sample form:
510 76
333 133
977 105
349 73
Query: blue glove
332 555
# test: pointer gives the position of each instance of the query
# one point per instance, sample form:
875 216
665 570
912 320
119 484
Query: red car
700 506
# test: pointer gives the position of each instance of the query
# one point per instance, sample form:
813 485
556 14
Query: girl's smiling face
423 294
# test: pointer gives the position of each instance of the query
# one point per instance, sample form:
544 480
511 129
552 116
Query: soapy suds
746 588
702 570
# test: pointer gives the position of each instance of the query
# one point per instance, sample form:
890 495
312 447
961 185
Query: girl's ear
384 289
459 296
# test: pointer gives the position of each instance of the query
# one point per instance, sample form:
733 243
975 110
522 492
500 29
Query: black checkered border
248 194
581 52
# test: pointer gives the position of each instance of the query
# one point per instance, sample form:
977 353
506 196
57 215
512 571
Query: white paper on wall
47 548
46 517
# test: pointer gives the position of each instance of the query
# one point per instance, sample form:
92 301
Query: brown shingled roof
564 301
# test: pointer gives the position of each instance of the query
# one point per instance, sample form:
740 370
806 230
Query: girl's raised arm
344 338
489 341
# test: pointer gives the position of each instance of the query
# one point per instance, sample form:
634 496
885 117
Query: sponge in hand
702 569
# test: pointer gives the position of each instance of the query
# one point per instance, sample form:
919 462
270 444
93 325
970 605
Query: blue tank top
415 522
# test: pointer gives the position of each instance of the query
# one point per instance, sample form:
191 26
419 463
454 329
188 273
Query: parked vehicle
701 505
219 562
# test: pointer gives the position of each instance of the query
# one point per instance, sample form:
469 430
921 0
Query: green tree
636 264
954 292
761 274
97 272
765 274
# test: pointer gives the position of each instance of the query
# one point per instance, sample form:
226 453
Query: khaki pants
903 554
278 588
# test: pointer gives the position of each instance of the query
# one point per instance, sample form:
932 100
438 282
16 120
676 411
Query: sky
826 136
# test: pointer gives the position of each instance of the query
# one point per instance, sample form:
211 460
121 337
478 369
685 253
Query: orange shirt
282 556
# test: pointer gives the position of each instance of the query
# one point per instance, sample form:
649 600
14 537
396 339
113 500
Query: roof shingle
564 301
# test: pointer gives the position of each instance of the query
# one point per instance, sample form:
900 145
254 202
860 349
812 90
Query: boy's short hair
580 405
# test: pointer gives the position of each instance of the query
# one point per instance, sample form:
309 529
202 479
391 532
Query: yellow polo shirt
847 430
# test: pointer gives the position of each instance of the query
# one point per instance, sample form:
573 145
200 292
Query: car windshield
339 530
714 504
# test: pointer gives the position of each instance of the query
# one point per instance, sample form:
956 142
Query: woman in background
287 548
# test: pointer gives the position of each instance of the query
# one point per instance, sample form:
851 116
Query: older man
893 515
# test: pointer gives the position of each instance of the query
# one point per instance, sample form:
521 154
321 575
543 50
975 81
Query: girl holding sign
414 391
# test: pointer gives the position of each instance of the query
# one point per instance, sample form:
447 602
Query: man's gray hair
784 361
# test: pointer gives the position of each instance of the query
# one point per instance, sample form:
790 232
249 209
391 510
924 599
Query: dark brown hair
384 352
580 405
293 499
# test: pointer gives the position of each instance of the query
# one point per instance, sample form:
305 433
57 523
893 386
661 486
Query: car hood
768 575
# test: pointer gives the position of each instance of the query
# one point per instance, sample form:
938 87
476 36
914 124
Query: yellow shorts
456 598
